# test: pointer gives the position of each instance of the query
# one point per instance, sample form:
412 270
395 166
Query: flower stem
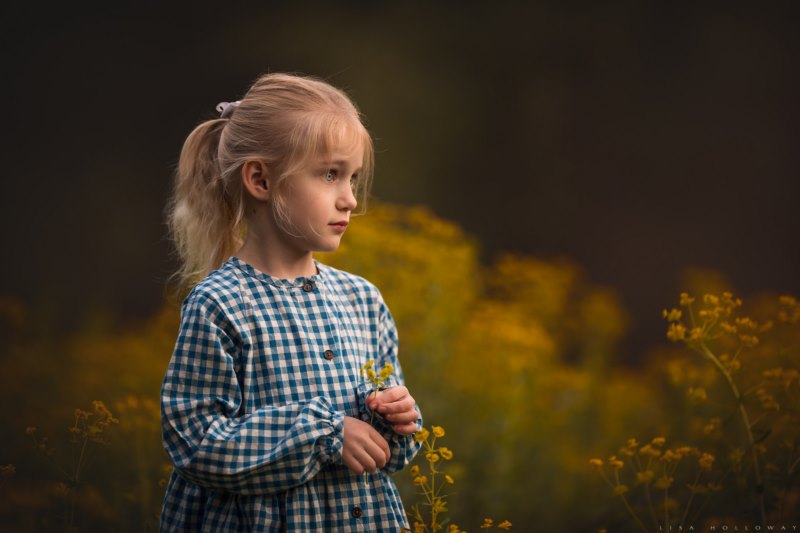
747 427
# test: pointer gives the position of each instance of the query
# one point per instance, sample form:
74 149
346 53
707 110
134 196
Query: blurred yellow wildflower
614 462
676 332
644 477
664 482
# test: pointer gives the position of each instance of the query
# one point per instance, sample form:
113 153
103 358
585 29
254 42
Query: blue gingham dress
254 398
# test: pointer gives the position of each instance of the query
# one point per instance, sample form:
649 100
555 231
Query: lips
341 224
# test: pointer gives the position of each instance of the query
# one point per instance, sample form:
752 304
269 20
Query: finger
351 463
382 445
390 394
366 459
400 406
405 417
405 429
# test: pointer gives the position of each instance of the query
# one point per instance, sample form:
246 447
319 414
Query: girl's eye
330 175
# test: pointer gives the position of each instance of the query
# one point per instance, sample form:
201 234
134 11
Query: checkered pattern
253 411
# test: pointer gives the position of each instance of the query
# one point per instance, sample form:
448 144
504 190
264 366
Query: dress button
308 286
357 512
329 354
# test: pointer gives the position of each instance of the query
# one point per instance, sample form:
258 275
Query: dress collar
295 283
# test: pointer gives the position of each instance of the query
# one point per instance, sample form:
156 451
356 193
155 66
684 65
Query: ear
255 179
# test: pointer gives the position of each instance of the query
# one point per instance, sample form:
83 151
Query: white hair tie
226 108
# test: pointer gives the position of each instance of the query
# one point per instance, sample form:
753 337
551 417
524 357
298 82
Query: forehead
344 144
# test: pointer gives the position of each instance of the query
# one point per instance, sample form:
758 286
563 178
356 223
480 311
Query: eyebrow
338 162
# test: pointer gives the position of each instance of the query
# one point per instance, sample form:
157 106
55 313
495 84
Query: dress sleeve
403 447
210 442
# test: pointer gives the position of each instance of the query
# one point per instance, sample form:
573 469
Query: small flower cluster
715 318
656 467
89 426
377 380
432 483
764 397
92 425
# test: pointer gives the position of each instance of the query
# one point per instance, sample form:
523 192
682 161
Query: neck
278 264
269 253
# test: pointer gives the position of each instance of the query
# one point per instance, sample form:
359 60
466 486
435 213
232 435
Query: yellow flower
619 490
487 523
432 457
438 431
645 477
445 453
630 449
673 315
686 299
386 371
670 456
439 505
449 479
596 462
421 435
420 480
658 441
414 471
370 374
697 394
614 462
676 332
664 482
706 461
647 449
698 489
505 524
748 340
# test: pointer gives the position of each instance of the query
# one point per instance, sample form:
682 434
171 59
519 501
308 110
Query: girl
264 416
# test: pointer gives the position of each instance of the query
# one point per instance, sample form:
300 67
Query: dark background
638 139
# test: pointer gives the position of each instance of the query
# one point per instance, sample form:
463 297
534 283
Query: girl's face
319 199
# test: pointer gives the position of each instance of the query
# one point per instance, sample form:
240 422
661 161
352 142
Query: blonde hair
283 119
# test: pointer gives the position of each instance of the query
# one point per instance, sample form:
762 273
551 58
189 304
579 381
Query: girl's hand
364 449
396 406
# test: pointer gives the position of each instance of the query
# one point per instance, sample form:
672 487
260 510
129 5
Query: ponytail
205 215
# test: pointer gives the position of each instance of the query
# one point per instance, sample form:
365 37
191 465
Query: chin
327 247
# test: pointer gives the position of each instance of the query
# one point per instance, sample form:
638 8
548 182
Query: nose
347 199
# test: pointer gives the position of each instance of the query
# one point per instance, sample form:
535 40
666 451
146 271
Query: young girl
264 414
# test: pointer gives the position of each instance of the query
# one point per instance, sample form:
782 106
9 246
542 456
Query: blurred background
560 173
